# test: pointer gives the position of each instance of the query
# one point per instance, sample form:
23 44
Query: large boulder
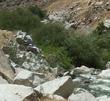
82 96
105 74
24 78
83 70
5 69
28 78
61 86
10 92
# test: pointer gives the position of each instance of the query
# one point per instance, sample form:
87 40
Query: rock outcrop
10 92
5 68
24 77
28 78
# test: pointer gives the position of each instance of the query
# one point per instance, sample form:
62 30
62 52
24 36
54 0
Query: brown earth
82 12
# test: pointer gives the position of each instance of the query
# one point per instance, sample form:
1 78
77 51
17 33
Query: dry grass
58 5
62 4
82 10
5 37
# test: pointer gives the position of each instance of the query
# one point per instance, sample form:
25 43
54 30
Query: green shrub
19 19
57 56
11 50
50 34
37 11
84 52
102 35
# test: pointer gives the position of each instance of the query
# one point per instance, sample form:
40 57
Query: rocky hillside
77 14
32 79
80 13
45 61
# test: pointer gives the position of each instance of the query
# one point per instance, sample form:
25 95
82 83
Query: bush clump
19 19
37 11
84 51
50 34
57 56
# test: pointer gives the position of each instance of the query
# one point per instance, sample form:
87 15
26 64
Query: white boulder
10 92
61 86
24 77
105 74
83 96
83 69
28 78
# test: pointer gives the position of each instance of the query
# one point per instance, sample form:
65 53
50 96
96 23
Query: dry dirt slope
82 12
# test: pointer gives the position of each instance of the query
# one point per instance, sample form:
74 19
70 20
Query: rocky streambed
25 75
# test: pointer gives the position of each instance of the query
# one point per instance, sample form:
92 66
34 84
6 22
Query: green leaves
19 19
